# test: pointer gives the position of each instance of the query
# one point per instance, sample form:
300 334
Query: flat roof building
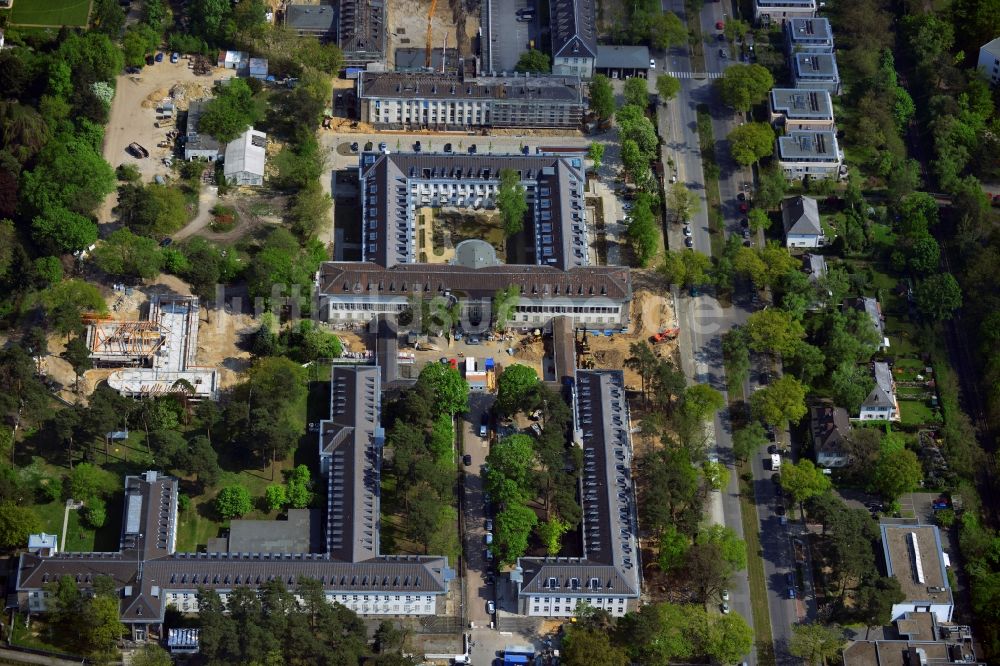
621 62
779 11
916 639
988 65
808 35
816 71
803 153
572 24
608 574
914 557
795 109
427 100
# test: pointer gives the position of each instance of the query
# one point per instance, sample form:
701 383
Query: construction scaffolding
157 356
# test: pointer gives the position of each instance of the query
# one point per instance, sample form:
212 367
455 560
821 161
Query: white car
725 595
652 64
687 230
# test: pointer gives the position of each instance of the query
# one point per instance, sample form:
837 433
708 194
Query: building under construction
156 355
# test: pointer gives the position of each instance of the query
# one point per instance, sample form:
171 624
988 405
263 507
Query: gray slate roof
882 394
573 31
609 527
560 180
321 18
800 216
433 85
195 140
829 425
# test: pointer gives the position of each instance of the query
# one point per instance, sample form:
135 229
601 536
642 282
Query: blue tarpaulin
509 659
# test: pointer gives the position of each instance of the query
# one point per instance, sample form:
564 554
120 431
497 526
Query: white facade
582 66
799 155
537 605
778 11
363 604
803 240
428 112
989 61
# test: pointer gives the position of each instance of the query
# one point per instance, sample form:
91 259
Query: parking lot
133 114
509 37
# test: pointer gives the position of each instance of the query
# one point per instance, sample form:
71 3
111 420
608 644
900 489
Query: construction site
156 355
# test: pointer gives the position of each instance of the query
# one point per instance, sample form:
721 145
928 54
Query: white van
775 461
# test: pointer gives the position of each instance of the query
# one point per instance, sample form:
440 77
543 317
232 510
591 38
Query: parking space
509 37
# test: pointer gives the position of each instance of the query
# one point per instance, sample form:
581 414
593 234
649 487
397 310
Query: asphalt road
478 590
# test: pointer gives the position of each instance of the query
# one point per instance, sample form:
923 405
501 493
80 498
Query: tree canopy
742 86
533 61
512 201
750 142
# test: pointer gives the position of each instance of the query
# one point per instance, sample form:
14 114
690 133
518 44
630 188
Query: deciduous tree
751 142
782 400
816 643
667 87
742 86
233 502
533 60
602 97
515 386
636 92
511 201
803 480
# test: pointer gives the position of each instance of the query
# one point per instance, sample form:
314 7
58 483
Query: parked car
791 593
773 448
941 503
723 53
745 223
725 595
744 207
133 70
473 340
484 425
488 524
137 151
687 230
689 243
741 196
489 558
746 233
159 57
174 57
491 608
790 579
489 538
652 64
466 460
719 25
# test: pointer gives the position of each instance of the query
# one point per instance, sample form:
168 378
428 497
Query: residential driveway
207 198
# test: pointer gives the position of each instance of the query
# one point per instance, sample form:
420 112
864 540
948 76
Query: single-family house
870 306
573 28
881 404
198 146
245 157
800 216
989 61
829 426
814 265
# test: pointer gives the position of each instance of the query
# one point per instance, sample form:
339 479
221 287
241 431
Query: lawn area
706 139
915 412
79 537
755 571
51 516
31 636
54 13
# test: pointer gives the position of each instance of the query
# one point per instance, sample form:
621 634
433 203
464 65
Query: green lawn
79 537
31 636
50 12
755 571
915 412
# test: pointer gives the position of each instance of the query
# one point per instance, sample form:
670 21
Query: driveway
207 198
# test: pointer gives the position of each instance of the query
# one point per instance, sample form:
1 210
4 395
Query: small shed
258 68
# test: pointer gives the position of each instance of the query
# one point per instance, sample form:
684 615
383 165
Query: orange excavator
430 35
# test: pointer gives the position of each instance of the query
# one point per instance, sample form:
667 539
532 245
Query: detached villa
800 216
881 404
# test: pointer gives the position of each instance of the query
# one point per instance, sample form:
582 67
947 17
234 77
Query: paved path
207 198
16 656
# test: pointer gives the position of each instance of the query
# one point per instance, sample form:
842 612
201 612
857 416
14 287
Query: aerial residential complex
813 154
808 35
151 575
562 279
816 71
391 100
607 575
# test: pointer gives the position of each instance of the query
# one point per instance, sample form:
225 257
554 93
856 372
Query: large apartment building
391 100
816 71
607 575
814 154
793 109
392 273
150 575
574 37
808 35
779 11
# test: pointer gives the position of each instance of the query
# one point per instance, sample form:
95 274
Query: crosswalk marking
696 75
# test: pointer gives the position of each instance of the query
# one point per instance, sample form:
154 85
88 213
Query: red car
719 25
453 363
744 208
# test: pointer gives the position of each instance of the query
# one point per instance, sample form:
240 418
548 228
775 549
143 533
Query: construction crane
430 35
